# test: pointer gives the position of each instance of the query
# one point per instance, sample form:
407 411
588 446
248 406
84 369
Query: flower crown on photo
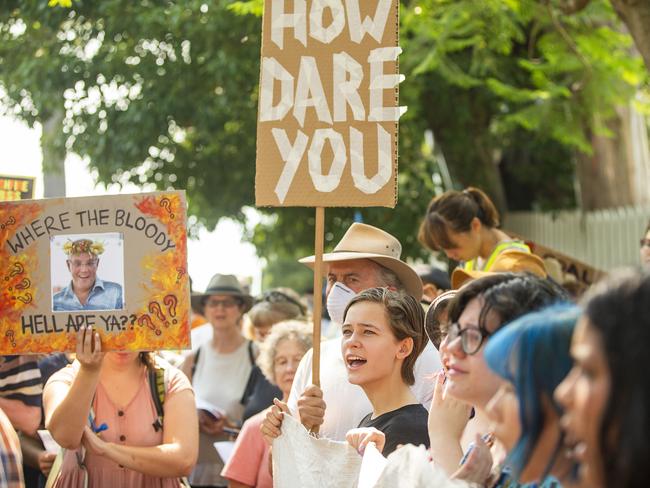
82 246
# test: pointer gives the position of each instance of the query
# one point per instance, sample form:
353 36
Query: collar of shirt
69 293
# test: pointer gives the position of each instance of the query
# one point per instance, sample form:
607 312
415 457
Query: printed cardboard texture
132 249
328 104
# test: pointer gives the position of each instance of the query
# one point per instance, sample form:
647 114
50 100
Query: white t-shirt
347 404
221 378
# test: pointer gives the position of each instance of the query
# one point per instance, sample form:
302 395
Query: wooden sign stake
318 292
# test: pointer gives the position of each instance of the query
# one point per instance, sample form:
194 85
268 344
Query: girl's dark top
406 425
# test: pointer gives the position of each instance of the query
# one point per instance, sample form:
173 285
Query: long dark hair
618 308
509 295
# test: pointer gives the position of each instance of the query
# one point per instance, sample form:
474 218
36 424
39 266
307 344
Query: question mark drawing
16 269
146 319
167 205
9 222
124 319
11 337
132 319
25 299
181 273
155 308
24 284
171 301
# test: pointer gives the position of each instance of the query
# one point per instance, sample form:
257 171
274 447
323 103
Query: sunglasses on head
275 296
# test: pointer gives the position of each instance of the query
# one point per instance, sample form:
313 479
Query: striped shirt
20 379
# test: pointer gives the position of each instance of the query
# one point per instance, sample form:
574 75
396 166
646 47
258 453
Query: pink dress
132 425
249 463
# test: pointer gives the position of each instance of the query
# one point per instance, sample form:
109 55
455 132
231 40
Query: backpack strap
253 377
158 388
196 361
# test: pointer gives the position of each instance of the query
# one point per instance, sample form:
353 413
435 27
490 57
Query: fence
604 239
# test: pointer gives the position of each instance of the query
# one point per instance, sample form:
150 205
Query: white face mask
338 298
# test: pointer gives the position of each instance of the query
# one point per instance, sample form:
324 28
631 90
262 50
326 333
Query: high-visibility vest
516 245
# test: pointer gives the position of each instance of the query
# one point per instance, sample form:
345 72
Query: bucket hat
221 284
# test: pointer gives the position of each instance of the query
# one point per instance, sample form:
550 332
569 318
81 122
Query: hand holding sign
89 349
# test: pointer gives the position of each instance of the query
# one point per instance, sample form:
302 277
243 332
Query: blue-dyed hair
532 353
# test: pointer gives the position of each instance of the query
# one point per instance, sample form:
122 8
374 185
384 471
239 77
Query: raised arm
175 457
67 406
447 420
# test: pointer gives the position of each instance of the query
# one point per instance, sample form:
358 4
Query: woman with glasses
645 247
481 308
269 309
220 371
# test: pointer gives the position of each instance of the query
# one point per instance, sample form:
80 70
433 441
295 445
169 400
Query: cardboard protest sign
581 272
118 263
327 118
14 188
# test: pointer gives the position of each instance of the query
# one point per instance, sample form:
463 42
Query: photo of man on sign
85 290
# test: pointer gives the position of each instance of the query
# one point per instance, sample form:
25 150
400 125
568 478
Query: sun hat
510 260
432 319
221 284
362 241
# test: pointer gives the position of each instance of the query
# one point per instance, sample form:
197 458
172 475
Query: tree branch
573 6
572 45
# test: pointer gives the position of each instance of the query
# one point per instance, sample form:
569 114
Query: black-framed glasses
471 337
275 296
645 242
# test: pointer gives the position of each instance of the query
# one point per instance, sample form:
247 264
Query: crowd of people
507 378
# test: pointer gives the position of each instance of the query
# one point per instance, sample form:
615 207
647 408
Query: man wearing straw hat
366 257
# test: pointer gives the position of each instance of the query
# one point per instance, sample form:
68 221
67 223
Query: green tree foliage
164 93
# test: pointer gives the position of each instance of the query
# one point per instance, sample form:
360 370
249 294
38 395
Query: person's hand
45 462
477 465
89 349
93 442
359 438
272 424
210 425
311 407
447 416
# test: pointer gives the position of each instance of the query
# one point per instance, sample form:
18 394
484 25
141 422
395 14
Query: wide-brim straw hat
362 241
512 261
221 284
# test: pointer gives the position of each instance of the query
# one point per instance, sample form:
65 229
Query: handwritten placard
118 263
14 188
328 104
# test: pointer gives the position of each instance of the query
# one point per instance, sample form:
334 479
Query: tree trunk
636 16
609 177
53 156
